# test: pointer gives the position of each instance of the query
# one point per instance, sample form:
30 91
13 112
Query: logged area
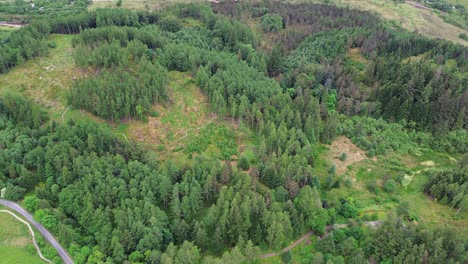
235 131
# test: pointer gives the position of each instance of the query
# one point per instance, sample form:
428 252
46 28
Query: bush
272 23
52 45
243 163
463 36
287 257
372 186
348 182
343 156
390 186
30 203
348 210
170 23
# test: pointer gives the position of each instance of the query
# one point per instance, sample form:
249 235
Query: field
46 79
5 31
410 17
136 4
15 242
185 126
367 177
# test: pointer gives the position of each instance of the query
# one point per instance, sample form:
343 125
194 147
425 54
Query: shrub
343 156
170 23
52 45
272 23
348 210
30 203
390 186
243 163
348 182
371 186
463 36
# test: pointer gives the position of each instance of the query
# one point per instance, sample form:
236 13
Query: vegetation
196 77
15 243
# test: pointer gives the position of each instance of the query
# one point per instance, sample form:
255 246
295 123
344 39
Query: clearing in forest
185 126
344 153
44 79
421 20
136 4
15 242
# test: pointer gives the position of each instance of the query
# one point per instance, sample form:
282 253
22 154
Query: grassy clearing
185 126
137 4
5 31
411 173
15 242
410 17
47 79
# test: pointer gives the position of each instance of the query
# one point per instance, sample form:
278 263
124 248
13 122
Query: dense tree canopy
332 71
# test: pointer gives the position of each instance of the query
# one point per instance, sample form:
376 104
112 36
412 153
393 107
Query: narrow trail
8 24
419 5
44 232
32 235
63 114
123 135
207 123
309 234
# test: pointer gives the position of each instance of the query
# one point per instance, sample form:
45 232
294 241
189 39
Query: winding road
45 233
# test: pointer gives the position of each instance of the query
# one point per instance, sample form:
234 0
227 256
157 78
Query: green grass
47 79
136 4
5 31
408 16
185 126
15 242
415 166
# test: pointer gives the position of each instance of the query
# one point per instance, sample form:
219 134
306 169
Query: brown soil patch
353 154
19 242
355 55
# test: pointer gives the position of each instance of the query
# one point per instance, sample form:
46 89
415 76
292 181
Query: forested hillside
297 78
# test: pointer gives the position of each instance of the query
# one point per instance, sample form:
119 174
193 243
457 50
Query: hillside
235 132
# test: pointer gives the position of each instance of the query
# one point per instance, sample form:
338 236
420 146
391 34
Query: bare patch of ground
19 241
429 163
356 55
45 80
353 154
178 120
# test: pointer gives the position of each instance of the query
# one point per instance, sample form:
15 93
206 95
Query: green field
5 31
15 242
411 173
136 4
184 126
410 17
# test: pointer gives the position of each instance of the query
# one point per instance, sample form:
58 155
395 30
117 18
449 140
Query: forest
296 76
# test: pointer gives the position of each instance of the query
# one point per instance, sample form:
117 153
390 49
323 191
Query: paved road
45 233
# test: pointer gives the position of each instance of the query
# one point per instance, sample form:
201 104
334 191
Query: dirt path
14 25
123 135
372 224
68 107
198 128
32 235
419 5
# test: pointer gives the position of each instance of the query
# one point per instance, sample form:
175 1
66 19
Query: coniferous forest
296 77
